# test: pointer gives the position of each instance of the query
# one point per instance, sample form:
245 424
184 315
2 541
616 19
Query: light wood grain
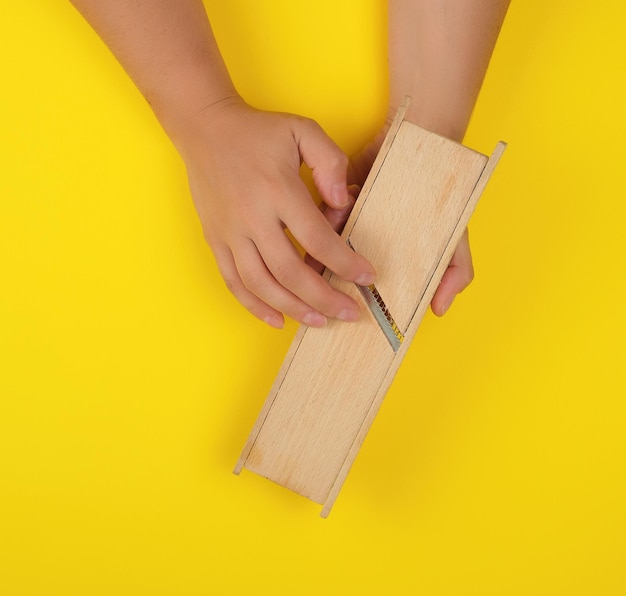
408 221
402 228
376 166
321 404
439 268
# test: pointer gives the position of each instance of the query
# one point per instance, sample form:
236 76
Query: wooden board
410 216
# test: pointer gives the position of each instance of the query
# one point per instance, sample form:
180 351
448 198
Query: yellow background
130 378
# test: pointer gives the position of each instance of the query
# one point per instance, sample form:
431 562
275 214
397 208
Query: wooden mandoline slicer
408 220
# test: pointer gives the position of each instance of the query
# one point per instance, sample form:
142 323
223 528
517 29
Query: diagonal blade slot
382 315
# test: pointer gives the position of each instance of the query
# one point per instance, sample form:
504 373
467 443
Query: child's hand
243 167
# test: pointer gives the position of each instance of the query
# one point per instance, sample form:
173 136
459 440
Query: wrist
437 115
177 107
210 129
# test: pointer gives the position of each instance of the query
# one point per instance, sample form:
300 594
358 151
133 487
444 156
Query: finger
259 280
314 233
337 219
361 162
457 277
327 161
290 271
255 305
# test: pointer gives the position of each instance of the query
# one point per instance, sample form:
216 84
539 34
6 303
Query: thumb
326 160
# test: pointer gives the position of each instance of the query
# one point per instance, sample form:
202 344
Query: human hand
243 167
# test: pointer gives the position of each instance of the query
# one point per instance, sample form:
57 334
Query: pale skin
243 164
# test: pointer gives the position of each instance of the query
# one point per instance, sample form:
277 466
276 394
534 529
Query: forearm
438 54
243 164
169 51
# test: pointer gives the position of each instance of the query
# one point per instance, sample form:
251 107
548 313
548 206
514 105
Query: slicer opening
381 313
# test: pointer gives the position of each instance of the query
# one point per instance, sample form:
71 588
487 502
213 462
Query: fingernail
339 195
365 279
447 305
314 319
274 321
348 314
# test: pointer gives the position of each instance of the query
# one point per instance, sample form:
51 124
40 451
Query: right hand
243 166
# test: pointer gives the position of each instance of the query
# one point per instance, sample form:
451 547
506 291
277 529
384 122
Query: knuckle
286 273
339 160
233 284
317 240
252 279
309 122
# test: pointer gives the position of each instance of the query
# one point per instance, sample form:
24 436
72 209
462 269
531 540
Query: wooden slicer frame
408 221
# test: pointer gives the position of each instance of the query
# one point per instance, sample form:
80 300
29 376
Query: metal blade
381 313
